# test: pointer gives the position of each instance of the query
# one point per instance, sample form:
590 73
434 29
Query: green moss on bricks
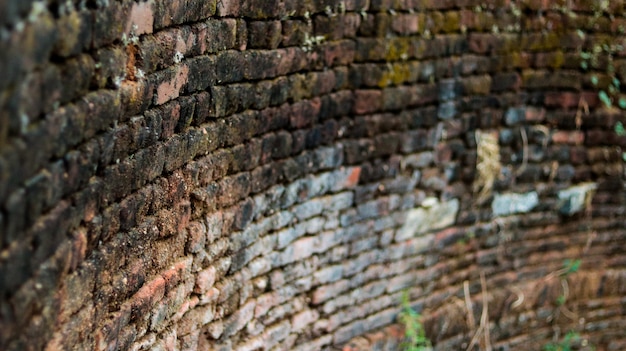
398 49
395 74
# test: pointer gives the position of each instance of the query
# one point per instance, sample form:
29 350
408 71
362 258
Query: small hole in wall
59 8
34 244
91 4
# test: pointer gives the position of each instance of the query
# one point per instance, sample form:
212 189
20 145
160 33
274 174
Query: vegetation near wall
278 175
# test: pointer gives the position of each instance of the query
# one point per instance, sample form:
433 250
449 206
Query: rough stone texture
575 199
431 216
507 204
268 174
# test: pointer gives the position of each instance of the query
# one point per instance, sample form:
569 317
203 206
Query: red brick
264 34
170 88
147 296
406 24
305 113
367 101
563 137
339 53
141 19
176 273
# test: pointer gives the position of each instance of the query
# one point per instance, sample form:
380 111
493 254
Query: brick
275 146
260 247
167 14
264 34
147 296
562 137
294 32
201 73
273 335
239 319
228 67
396 98
136 97
315 344
205 280
243 214
141 19
76 76
171 83
12 12
221 34
290 60
287 235
229 8
305 113
74 33
196 237
242 35
326 292
367 101
329 274
260 64
263 10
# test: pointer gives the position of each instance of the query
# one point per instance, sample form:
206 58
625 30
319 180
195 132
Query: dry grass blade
524 152
483 328
520 297
471 323
566 312
484 318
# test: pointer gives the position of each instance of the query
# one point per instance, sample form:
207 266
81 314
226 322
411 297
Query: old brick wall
267 174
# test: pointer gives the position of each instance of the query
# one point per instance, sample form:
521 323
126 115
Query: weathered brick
170 83
239 319
325 292
228 66
367 101
74 33
141 19
201 73
147 296
249 161
264 34
167 14
562 137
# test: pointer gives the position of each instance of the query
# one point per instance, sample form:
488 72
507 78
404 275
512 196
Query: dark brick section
272 175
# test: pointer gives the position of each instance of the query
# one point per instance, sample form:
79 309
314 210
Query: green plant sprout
619 129
590 59
414 336
566 344
570 266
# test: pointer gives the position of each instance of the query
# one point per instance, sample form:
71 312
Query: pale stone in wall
427 218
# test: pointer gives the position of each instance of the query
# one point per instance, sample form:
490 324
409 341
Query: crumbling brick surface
264 174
